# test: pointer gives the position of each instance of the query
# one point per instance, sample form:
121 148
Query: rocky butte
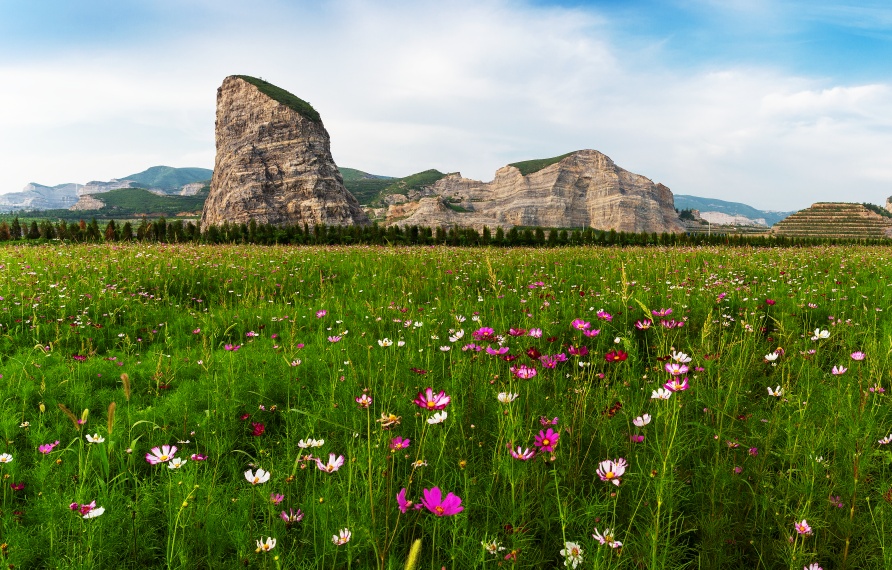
582 189
273 162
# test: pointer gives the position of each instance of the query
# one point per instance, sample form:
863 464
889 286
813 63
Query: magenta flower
636 438
580 325
484 334
231 347
676 369
535 333
46 448
604 316
592 333
858 355
523 371
198 457
547 440
838 370
433 500
364 401
321 313
399 442
257 429
404 504
612 470
17 486
521 453
662 313
276 498
545 421
616 356
429 401
676 385
334 339
516 332
643 325
161 454
578 351
497 351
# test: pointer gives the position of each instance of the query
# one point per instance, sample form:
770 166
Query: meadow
197 406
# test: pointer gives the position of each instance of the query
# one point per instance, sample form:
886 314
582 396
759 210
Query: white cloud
466 86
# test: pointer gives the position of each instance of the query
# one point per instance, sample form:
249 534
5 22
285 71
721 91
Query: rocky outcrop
274 162
88 202
585 189
836 220
39 197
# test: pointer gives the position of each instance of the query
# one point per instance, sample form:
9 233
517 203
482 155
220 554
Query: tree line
178 231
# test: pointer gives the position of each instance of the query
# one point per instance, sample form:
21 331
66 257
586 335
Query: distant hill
684 202
352 174
168 178
369 189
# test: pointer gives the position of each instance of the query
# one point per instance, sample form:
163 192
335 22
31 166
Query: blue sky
778 104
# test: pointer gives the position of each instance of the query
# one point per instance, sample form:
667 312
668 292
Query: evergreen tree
16 228
127 231
110 233
33 231
5 235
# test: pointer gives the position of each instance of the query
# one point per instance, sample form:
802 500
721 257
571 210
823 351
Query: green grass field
575 432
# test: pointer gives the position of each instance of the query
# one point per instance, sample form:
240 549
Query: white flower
607 538
617 340
457 335
493 547
506 398
385 342
642 421
267 545
661 394
777 392
257 478
94 512
309 442
437 418
95 438
445 348
344 537
5 458
681 357
886 440
176 463
401 343
821 334
771 356
572 554
417 324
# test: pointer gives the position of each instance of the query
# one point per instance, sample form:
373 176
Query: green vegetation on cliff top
530 166
284 97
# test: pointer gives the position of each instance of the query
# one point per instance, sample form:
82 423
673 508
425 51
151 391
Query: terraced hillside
836 220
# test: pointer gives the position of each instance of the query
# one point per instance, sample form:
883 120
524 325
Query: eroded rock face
584 190
273 165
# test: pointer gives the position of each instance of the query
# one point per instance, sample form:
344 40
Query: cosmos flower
198 457
497 351
506 398
812 566
535 333
429 401
681 357
838 370
388 420
433 500
616 356
676 385
257 478
858 356
310 442
257 429
364 401
291 517
612 470
642 421
46 448
404 504
676 369
821 334
399 443
437 418
592 333
321 313
523 372
266 546
777 392
771 356
802 528
607 538
547 440
176 463
385 342
521 453
493 547
661 313
643 325
276 498
580 324
95 438
572 554
661 394
161 454
343 537
334 463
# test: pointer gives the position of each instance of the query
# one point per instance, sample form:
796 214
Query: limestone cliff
584 189
273 162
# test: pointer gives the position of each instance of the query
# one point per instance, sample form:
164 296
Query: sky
777 104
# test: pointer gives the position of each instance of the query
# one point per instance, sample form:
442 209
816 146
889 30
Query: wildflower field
324 407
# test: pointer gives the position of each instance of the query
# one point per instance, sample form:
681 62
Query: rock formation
273 161
836 220
585 189
88 202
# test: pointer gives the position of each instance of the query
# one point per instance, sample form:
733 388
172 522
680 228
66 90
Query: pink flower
333 463
403 504
523 371
321 313
257 429
643 325
520 453
276 498
676 369
545 421
161 454
535 333
612 470
364 401
497 351
484 334
433 500
517 332
592 333
812 566
292 517
198 457
661 313
838 370
399 443
334 339
580 324
676 385
547 440
231 347
47 447
802 528
858 356
429 401
604 316
636 438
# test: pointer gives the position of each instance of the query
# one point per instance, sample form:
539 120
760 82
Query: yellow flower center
163 458
609 475
546 442
431 404
440 510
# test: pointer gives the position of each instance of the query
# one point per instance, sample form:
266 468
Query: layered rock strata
273 162
583 190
